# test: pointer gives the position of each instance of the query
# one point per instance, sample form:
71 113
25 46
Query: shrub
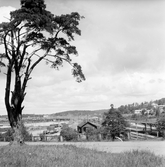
1 137
161 126
92 134
69 134
42 135
27 136
9 134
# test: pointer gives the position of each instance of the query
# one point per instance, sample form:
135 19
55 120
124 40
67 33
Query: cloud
121 51
152 81
161 80
5 13
4 17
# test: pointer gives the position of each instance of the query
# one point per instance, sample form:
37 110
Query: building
138 112
82 128
154 105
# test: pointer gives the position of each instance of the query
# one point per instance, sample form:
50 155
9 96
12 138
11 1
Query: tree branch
34 52
44 58
26 78
8 84
39 60
65 59
22 57
6 48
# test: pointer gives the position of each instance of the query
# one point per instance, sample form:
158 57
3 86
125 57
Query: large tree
113 124
32 35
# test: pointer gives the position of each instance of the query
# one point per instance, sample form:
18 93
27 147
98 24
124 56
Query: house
138 112
154 105
82 127
143 111
161 108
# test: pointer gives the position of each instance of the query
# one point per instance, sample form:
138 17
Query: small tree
113 124
157 112
32 35
69 134
161 126
92 134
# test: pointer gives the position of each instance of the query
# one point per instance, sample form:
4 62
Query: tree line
130 108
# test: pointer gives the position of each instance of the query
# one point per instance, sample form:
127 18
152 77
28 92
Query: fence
141 136
46 138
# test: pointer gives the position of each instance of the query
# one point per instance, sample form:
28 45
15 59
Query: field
156 147
71 156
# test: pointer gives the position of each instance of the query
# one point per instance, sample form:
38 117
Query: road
157 147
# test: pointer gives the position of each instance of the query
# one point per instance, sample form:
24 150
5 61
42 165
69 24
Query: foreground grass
71 156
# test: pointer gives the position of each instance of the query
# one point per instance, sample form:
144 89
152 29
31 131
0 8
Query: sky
121 51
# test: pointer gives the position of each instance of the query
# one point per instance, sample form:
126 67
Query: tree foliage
113 124
161 124
92 134
8 136
69 134
130 108
32 35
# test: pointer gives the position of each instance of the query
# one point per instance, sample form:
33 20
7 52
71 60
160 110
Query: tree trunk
14 110
16 125
113 137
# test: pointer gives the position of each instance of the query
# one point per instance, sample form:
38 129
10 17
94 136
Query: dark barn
81 128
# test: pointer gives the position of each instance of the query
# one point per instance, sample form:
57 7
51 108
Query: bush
161 126
69 134
9 134
27 136
92 134
1 137
42 135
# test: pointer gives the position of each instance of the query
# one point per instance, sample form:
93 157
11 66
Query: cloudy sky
121 51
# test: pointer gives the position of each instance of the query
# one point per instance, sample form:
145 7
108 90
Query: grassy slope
71 156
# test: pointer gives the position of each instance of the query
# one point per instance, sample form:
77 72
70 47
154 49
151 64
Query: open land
71 156
157 147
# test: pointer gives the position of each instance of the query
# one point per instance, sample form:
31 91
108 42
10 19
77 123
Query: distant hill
70 113
32 115
124 109
80 113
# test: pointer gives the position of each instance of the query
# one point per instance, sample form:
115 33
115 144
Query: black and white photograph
82 83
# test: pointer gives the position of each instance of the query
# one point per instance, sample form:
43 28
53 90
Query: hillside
124 109
130 108
80 113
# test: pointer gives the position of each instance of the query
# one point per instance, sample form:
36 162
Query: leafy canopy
113 123
161 124
34 34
